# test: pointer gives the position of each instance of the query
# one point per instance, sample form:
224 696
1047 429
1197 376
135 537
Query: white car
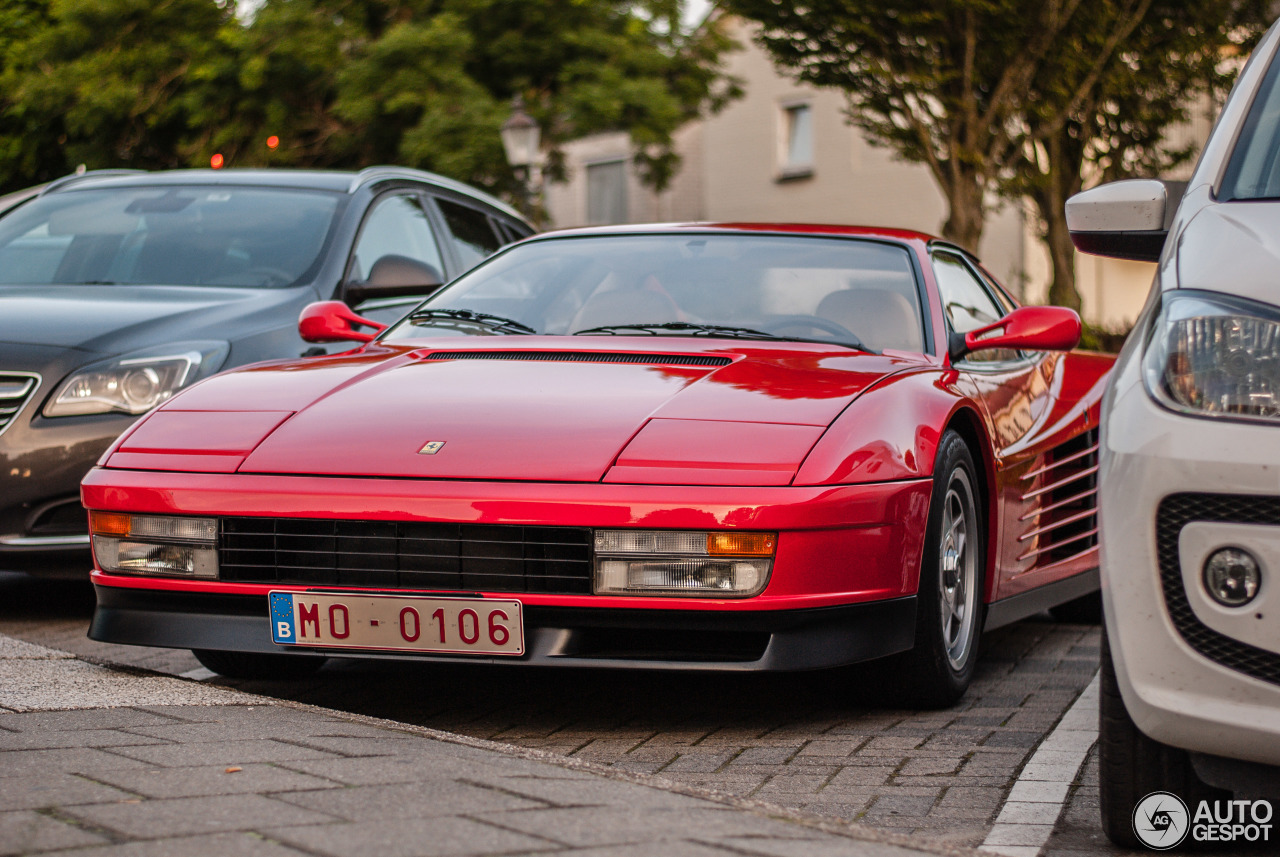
1190 489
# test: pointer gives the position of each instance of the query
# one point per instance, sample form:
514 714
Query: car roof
342 181
882 232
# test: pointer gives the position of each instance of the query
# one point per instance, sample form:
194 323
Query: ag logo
1161 821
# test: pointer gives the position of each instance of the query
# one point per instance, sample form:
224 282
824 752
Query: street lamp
520 136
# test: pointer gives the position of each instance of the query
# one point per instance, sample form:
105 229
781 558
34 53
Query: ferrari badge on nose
431 447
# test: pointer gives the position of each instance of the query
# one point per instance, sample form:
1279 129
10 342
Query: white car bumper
1193 674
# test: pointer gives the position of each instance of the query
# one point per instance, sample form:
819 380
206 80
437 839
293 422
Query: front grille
15 390
406 555
1175 512
1065 496
584 357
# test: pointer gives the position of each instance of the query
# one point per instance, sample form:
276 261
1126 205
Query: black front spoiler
599 637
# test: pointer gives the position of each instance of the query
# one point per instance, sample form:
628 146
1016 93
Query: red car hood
523 409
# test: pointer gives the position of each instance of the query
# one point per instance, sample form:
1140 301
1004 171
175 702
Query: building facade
785 152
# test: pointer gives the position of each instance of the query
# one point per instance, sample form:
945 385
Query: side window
968 304
397 226
474 239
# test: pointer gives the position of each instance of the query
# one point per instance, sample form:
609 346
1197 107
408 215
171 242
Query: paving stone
212 780
217 845
225 753
53 790
154 819
75 760
411 837
26 832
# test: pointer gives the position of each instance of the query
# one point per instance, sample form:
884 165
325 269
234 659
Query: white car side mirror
1122 220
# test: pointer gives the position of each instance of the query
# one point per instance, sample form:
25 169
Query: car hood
114 319
527 409
1232 247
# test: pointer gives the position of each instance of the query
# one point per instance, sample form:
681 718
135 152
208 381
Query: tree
100 82
1182 55
349 83
976 89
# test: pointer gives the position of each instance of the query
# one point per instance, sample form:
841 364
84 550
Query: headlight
135 383
152 544
1216 356
666 562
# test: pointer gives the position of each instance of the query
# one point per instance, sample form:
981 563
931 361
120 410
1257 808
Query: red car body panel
832 449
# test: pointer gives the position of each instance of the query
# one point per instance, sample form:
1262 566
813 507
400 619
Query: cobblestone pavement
829 744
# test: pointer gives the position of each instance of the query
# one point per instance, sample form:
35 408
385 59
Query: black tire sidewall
935 682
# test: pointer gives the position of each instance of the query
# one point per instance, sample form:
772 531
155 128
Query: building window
607 192
796 150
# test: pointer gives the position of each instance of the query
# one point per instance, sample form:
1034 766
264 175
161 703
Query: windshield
1254 169
176 236
839 290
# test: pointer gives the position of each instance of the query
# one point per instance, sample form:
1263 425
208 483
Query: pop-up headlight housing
697 564
155 545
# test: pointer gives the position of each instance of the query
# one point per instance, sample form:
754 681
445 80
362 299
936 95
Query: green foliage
343 83
1014 97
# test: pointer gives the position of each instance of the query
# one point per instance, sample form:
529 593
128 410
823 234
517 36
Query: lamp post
520 136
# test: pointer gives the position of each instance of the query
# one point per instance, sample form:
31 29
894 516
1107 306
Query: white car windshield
829 289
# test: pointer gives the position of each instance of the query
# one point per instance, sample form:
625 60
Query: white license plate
471 626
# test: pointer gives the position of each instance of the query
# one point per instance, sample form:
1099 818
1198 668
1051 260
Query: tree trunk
1065 161
966 215
1062 255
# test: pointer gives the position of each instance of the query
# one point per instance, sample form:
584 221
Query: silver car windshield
841 290
174 236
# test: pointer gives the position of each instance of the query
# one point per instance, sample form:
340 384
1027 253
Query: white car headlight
1215 356
726 564
154 544
135 383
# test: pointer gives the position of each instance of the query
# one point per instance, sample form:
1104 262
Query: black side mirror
394 276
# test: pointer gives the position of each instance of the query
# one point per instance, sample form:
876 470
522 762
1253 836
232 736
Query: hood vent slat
583 357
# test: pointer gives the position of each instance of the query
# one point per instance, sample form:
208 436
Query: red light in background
216 161
273 141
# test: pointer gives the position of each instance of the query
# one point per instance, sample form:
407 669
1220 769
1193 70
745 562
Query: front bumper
599 637
841 590
1173 489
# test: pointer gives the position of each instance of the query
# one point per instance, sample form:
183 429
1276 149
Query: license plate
471 626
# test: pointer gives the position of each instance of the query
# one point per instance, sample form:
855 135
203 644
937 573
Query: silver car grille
15 389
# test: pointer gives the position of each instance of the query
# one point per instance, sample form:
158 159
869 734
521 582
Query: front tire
950 605
253 665
1132 766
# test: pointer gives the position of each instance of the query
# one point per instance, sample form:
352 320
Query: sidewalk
99 762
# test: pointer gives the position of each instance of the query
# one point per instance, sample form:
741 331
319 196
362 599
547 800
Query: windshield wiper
695 329
465 316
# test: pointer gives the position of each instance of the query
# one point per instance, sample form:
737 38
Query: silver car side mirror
1122 220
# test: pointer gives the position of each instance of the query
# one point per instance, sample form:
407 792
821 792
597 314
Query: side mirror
1028 328
333 321
1121 220
395 276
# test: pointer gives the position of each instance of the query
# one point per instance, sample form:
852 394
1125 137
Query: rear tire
950 605
1132 766
258 664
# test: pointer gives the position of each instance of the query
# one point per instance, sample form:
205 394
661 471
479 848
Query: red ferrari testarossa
696 447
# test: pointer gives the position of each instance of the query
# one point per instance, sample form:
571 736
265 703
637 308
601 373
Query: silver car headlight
135 383
1215 356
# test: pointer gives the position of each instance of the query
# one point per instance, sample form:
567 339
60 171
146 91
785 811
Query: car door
1019 392
397 241
472 234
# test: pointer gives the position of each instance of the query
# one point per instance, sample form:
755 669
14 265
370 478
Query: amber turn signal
741 544
110 523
